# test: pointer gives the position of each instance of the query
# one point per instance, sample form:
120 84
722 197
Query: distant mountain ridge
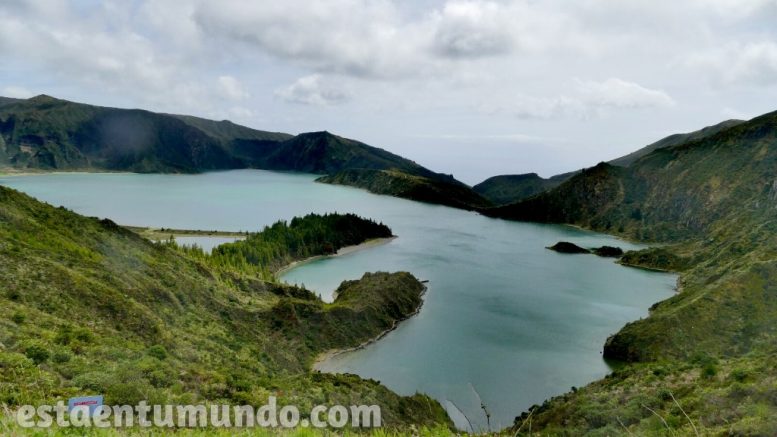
46 133
672 192
7 100
505 189
675 140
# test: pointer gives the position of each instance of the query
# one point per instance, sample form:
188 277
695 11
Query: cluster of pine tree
303 237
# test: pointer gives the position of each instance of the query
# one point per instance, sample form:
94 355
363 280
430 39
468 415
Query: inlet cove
505 323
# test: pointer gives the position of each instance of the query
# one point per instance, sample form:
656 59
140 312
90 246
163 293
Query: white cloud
618 93
17 92
231 88
356 37
588 99
472 29
753 63
372 39
313 90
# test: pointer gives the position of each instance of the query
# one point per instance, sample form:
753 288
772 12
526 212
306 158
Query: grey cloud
313 90
750 63
359 38
472 29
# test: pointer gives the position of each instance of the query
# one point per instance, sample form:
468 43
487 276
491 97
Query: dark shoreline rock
609 251
567 247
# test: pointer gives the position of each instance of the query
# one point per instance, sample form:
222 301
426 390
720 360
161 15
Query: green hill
439 189
506 189
712 202
672 193
675 140
88 307
7 101
51 134
325 153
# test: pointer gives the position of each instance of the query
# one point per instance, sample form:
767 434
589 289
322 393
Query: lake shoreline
374 242
153 233
5 172
327 355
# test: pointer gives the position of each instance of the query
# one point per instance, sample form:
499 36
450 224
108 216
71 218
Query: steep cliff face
671 193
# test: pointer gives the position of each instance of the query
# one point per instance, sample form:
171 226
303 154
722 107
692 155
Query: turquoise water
503 315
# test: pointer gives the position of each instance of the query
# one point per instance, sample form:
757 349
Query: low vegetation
88 307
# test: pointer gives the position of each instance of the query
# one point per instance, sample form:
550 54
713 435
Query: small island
567 247
572 248
608 251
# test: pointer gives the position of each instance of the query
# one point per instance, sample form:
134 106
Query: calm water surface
503 315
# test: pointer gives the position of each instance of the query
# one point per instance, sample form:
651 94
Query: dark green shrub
83 335
37 354
739 375
61 357
158 351
660 371
67 335
18 318
94 381
709 370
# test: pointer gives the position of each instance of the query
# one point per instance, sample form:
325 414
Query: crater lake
506 322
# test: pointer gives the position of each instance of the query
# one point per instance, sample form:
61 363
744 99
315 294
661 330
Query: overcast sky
473 88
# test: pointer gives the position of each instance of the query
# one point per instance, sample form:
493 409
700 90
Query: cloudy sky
469 87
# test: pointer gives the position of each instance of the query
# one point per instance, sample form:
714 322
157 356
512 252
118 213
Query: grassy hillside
226 131
672 193
506 189
713 200
441 190
325 153
675 140
48 133
705 396
7 100
88 307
